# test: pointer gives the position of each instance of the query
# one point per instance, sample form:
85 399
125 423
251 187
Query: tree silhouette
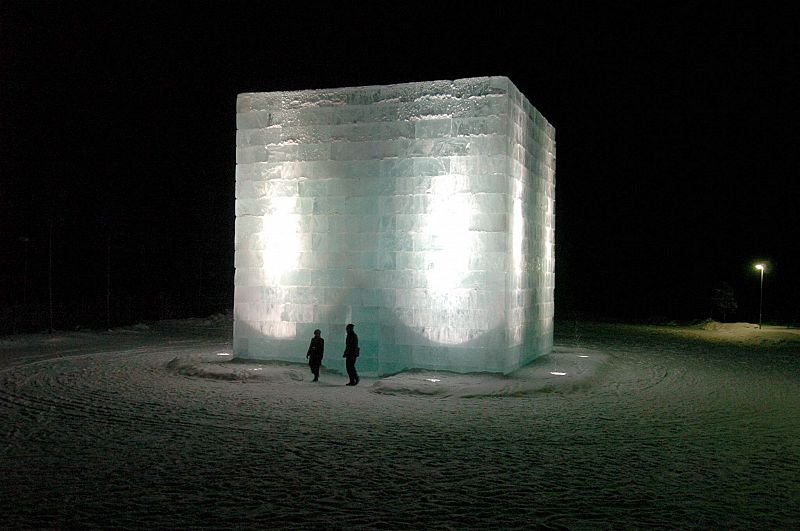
723 300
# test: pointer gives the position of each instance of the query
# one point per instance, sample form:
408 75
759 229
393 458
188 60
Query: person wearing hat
315 352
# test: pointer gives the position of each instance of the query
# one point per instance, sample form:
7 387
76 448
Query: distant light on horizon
761 267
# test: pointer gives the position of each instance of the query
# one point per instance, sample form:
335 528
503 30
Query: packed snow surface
158 426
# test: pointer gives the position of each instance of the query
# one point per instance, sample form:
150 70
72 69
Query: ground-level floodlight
761 267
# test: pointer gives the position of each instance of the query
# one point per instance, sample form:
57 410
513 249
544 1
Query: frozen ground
621 427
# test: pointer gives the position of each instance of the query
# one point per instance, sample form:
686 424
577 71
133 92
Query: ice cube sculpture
421 212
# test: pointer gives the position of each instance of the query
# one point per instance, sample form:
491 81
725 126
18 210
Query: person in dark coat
315 352
351 352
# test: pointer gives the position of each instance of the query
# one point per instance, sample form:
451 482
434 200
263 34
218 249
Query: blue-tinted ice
422 212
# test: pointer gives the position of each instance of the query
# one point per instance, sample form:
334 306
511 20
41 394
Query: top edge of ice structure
370 94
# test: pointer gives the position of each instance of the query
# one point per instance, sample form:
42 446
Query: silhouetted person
315 352
350 354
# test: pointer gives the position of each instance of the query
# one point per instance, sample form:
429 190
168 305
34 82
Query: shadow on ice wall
383 354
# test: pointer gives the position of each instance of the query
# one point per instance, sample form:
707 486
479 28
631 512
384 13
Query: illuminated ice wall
421 212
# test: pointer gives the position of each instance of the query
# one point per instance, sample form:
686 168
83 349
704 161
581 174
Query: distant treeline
71 283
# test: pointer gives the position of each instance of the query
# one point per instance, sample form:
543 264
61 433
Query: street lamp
761 267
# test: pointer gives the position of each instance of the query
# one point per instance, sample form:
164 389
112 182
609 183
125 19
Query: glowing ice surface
421 212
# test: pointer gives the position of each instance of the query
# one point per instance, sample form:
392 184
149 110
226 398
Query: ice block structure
421 212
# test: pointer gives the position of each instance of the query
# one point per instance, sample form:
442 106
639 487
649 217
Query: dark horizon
675 128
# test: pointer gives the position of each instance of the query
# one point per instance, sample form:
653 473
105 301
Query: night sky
676 128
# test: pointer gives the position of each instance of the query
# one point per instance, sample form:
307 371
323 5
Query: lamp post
761 267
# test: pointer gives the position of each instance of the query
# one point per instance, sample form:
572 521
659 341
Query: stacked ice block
421 212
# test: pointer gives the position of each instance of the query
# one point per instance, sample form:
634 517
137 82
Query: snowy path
157 429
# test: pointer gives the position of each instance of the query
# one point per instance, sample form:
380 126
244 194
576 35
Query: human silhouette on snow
351 352
315 352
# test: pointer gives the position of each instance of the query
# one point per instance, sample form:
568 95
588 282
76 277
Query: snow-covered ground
622 426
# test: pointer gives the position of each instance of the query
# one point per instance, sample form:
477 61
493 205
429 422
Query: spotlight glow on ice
280 239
